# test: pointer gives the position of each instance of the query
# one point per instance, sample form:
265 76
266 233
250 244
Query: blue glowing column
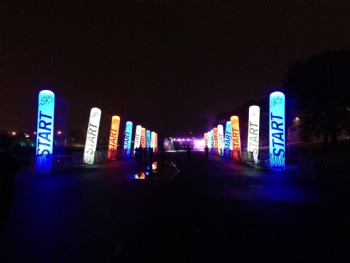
277 131
212 143
148 138
221 142
228 138
127 138
44 131
92 135
253 133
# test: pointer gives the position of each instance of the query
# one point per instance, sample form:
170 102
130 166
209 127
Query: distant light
297 119
26 135
13 133
59 132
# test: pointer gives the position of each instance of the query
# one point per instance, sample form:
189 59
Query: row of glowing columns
229 141
45 134
143 138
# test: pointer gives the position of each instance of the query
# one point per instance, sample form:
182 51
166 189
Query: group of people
143 153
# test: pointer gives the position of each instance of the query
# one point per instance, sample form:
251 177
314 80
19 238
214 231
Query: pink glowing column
216 140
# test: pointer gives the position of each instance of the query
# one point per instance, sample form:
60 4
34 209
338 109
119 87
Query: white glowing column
153 140
253 132
45 130
206 141
137 141
127 138
277 131
92 135
221 142
228 137
113 138
236 139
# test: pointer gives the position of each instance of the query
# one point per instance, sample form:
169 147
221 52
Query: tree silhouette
322 89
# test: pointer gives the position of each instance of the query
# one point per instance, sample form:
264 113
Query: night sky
168 66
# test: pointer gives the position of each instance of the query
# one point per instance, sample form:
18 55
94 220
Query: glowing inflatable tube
253 134
228 138
148 138
216 139
236 138
143 138
206 142
212 143
92 135
113 138
221 141
45 131
127 138
137 141
153 140
277 131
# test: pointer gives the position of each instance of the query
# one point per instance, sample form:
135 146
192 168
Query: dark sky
167 66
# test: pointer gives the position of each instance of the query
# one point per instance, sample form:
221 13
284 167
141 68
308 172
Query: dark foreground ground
213 211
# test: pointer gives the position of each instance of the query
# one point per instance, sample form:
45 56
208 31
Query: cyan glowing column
113 138
253 132
148 138
277 131
143 137
228 137
236 139
127 138
45 130
221 142
137 141
92 135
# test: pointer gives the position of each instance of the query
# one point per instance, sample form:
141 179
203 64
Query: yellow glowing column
236 140
113 138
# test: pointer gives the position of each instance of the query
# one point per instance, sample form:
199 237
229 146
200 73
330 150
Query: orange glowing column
216 139
143 138
236 140
113 138
155 142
